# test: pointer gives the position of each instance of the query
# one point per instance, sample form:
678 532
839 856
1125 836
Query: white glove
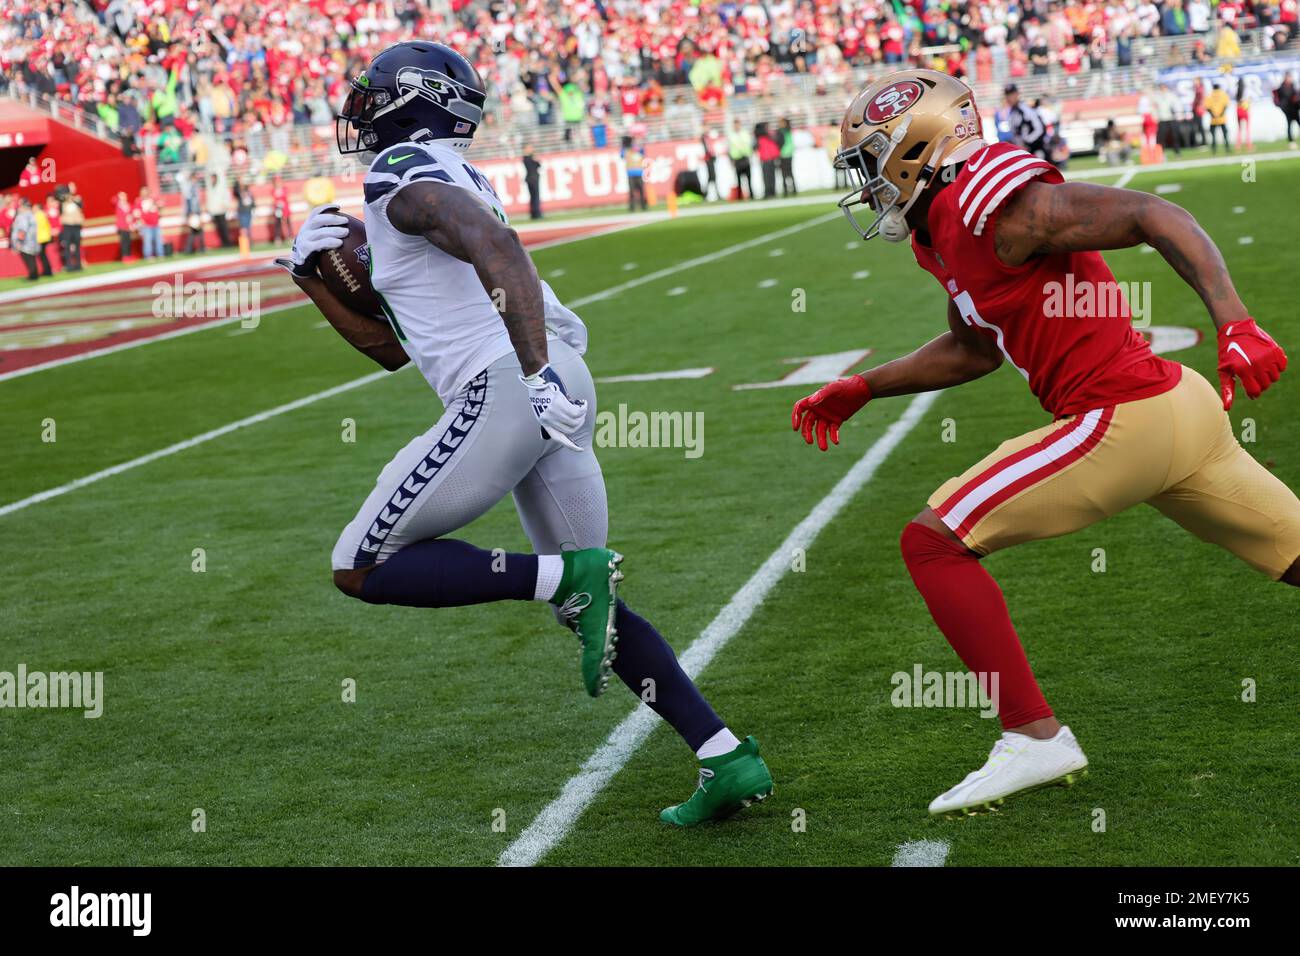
560 416
324 229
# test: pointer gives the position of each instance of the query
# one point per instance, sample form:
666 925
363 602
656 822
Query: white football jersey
442 315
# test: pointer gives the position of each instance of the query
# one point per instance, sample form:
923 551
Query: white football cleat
1017 763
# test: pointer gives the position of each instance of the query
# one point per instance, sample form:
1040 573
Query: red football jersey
1061 320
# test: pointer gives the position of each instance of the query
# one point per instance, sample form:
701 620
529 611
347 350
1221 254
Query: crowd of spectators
29 227
162 69
46 233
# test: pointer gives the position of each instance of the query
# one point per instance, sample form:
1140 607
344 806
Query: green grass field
223 689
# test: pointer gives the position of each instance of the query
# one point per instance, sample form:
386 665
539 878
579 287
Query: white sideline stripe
148 340
595 233
1126 178
329 392
553 823
189 443
922 853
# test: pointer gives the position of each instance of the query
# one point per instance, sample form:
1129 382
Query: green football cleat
728 783
586 600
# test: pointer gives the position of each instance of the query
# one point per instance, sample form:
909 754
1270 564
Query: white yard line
146 270
346 386
701 260
659 376
558 817
1126 178
189 443
922 853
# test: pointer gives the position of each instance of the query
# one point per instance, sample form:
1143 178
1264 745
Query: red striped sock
968 606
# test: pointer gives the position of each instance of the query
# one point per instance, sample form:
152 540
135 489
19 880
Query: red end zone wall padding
64 155
593 177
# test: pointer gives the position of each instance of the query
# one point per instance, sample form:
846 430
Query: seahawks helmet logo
439 89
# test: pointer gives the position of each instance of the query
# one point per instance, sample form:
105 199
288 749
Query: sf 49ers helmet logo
893 100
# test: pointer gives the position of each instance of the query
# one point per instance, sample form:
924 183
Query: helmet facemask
865 162
354 126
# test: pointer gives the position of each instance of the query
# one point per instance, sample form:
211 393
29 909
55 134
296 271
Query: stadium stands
155 71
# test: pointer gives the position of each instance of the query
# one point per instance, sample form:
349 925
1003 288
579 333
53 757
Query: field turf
223 688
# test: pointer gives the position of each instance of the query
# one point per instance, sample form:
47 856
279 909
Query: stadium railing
63 111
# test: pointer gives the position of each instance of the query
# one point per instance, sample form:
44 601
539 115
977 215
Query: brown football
346 271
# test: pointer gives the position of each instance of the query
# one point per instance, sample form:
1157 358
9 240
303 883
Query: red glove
1249 353
828 407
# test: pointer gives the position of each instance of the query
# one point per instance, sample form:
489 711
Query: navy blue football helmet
415 91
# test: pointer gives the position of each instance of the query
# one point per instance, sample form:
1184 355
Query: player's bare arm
1080 217
957 356
460 225
371 337
1083 217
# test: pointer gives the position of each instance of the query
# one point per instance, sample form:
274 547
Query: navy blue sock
443 572
642 654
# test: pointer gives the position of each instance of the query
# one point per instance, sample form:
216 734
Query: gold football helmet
896 136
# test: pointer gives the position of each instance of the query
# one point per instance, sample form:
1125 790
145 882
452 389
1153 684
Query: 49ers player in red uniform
1002 232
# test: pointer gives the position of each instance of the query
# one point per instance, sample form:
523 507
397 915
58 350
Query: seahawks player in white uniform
464 303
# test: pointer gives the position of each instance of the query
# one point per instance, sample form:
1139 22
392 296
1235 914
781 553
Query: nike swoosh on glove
324 228
826 409
1249 353
559 415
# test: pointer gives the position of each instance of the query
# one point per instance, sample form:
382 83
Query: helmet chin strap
893 223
